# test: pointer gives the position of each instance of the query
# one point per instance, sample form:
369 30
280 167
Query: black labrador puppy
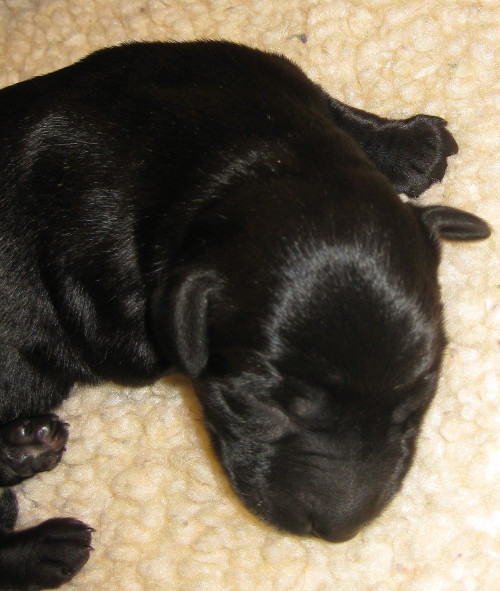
206 205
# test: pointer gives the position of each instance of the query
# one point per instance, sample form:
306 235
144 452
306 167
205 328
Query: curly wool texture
139 466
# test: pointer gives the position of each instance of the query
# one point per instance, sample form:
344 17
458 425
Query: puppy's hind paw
28 446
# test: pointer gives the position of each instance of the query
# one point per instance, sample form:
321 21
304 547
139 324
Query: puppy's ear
180 310
453 224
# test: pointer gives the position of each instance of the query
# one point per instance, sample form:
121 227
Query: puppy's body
116 165
206 205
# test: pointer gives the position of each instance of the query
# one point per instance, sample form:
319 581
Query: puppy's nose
336 534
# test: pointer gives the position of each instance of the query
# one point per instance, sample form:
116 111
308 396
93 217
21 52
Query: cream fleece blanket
139 468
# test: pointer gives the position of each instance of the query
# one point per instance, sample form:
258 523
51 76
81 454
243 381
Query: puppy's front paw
45 556
28 446
420 154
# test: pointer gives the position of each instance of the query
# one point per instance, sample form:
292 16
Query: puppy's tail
8 509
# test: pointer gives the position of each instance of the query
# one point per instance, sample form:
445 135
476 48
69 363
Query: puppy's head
312 459
315 376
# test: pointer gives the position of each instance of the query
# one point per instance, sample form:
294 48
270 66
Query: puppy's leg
411 152
28 446
45 556
8 510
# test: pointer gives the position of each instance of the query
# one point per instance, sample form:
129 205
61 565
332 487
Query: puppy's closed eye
306 401
304 408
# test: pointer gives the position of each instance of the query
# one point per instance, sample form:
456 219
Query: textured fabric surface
139 467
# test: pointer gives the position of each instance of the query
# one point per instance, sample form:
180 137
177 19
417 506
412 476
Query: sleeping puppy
206 205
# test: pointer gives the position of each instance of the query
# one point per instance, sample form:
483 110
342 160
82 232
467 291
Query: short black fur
206 205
